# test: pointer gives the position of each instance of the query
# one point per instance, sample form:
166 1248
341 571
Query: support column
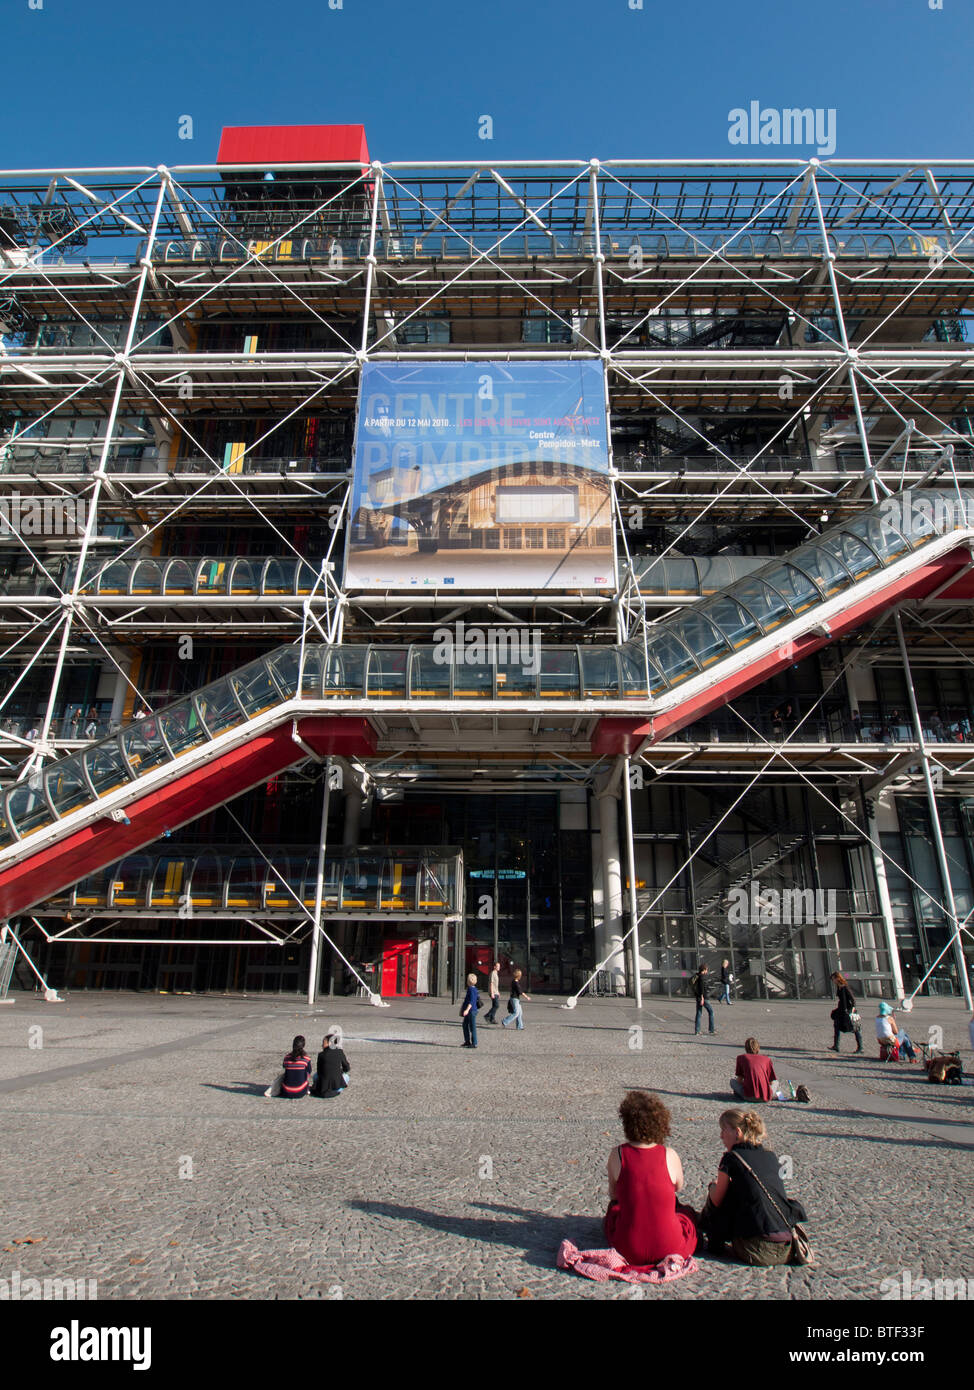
637 981
886 814
608 943
353 816
319 888
938 837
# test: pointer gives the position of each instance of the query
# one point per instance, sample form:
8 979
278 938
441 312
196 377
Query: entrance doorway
399 962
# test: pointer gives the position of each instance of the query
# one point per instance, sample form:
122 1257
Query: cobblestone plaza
137 1150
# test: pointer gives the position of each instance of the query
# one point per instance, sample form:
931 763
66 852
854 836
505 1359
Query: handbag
480 1003
855 1018
511 1007
801 1247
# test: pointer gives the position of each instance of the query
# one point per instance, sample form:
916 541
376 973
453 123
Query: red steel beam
615 737
102 842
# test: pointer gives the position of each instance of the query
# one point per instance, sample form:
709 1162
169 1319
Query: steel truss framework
783 342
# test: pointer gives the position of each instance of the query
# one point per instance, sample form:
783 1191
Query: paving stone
385 1193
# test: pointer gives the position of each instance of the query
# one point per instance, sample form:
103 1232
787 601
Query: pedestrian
91 724
845 1015
332 1074
514 1014
468 1012
753 1074
746 1204
699 986
892 1040
937 727
726 980
857 736
494 990
297 1072
644 1221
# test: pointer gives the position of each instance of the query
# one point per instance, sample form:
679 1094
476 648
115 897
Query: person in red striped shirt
297 1072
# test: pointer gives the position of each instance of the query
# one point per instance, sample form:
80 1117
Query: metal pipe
631 864
938 836
317 929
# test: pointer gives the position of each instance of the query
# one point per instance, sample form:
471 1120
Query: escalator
81 813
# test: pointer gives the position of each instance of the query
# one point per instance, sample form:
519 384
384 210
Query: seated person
645 1222
297 1072
892 1040
333 1066
746 1205
754 1074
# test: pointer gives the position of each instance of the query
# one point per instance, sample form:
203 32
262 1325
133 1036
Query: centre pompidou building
407 566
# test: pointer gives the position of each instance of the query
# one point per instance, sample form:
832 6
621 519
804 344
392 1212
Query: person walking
514 1014
845 1016
468 1012
494 990
726 979
699 986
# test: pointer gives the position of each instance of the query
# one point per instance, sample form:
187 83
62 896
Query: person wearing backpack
699 986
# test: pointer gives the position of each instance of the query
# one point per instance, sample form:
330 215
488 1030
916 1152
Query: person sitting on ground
754 1073
892 1040
297 1072
746 1204
644 1221
331 1077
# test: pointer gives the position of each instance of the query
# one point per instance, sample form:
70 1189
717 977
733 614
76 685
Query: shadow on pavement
539 1234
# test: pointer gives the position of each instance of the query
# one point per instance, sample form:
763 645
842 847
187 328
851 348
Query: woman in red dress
645 1222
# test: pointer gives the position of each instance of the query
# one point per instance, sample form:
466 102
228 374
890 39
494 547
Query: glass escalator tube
700 636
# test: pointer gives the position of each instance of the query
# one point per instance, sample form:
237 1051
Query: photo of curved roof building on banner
480 474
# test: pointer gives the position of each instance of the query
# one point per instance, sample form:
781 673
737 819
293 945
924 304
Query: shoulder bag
801 1247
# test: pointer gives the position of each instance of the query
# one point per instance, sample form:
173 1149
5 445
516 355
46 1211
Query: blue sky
105 82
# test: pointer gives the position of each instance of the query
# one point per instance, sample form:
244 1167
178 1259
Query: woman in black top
746 1204
514 1014
333 1066
842 1020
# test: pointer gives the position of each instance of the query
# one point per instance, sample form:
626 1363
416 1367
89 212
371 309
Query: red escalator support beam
57 866
624 736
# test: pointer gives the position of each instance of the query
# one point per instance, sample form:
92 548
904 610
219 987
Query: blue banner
474 475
